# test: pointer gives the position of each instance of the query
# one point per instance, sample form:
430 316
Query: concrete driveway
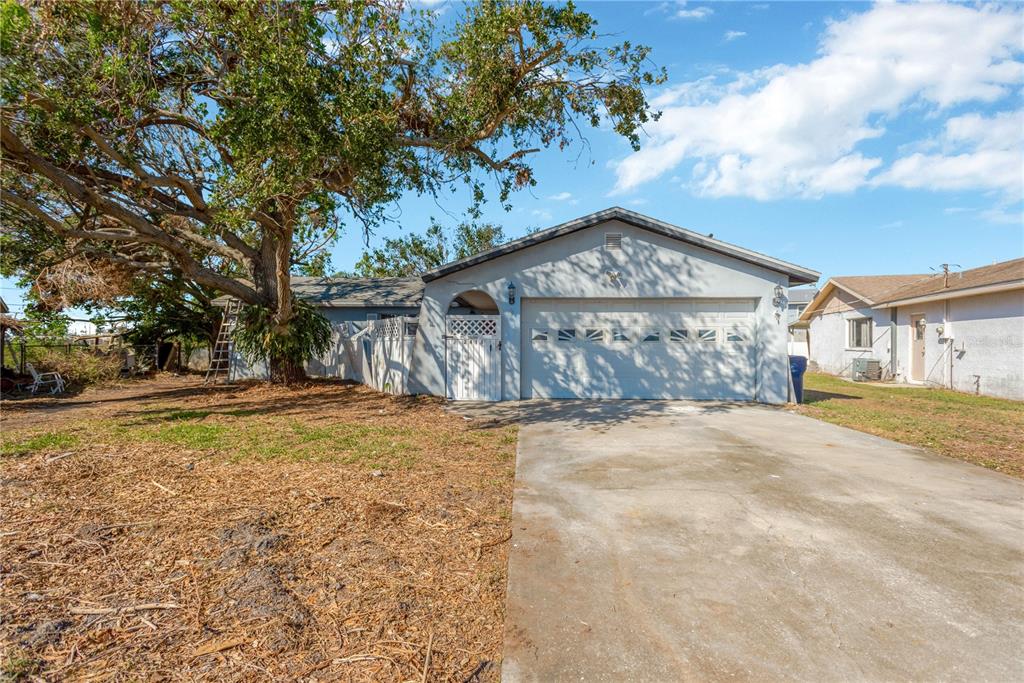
680 541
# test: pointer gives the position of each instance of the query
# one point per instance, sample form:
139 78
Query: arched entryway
473 348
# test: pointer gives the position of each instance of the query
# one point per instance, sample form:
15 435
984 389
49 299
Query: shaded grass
982 430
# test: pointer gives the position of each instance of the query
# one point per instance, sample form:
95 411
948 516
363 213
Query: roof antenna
945 273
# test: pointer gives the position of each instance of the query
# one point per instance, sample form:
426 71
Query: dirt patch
153 549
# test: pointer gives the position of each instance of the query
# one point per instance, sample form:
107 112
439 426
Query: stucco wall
830 335
576 266
982 347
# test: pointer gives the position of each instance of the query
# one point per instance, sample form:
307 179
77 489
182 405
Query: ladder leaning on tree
220 359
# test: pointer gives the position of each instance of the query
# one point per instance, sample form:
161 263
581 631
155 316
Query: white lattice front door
473 358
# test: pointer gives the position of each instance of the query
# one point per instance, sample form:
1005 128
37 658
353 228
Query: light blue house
611 305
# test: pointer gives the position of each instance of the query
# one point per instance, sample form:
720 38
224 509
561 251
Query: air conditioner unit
867 369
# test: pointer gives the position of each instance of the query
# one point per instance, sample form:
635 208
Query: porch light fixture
779 302
779 292
511 293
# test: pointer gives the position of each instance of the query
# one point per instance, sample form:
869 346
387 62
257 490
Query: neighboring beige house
964 331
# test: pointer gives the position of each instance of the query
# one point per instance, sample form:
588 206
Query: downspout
892 341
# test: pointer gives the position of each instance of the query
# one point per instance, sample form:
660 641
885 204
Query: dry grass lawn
326 532
979 429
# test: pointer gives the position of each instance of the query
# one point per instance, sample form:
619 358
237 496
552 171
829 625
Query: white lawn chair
41 380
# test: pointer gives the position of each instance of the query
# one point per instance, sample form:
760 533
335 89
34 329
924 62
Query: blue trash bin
798 366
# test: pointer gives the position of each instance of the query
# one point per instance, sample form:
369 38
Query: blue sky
848 138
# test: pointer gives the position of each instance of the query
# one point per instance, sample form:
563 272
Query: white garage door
638 348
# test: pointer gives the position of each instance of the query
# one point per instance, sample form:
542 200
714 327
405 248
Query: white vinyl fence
383 352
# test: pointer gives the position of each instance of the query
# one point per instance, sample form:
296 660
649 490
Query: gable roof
353 292
998 276
797 274
872 288
868 288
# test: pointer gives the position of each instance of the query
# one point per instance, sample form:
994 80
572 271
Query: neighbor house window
594 334
567 334
860 333
620 335
678 335
538 334
652 335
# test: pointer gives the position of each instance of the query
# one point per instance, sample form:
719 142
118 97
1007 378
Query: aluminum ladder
220 359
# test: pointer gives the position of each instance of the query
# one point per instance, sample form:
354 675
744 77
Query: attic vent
613 240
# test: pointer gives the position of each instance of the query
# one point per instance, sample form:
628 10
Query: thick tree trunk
284 371
273 275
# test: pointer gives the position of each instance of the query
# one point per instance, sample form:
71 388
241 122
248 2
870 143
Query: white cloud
795 130
733 35
541 214
697 13
977 153
639 201
561 196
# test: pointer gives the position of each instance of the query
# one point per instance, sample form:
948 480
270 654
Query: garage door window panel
539 335
621 334
651 335
679 334
707 335
594 334
567 334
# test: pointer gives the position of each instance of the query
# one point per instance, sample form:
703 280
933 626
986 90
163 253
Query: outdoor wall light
511 293
779 294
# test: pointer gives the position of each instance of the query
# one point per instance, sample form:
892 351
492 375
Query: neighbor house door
917 329
473 357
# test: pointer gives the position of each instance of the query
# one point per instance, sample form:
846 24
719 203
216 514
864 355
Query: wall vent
613 240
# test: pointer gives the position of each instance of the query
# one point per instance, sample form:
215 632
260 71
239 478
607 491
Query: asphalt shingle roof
872 289
997 273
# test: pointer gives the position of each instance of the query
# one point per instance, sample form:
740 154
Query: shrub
80 366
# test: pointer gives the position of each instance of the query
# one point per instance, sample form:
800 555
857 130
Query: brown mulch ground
129 556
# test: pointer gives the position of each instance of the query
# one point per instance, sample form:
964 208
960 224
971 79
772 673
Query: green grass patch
47 441
980 429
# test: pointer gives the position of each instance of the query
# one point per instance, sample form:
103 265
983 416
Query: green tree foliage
257 339
416 254
227 142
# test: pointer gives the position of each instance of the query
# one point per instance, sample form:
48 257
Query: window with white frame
679 335
538 334
735 336
651 334
860 333
620 334
567 334
594 334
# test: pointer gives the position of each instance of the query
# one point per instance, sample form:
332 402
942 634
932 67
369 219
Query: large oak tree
226 141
